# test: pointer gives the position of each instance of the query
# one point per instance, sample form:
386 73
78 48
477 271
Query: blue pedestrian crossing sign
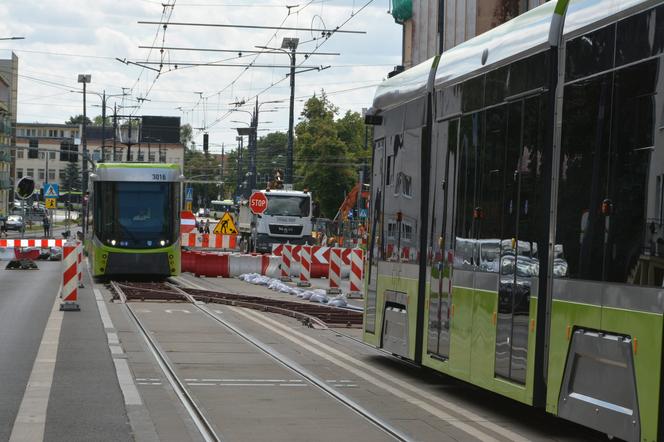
51 190
189 194
363 213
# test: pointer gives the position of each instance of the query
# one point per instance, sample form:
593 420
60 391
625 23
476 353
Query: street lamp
85 79
289 46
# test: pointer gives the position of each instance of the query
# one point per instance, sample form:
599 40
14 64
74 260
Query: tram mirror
25 187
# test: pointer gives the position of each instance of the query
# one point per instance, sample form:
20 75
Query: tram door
521 226
443 161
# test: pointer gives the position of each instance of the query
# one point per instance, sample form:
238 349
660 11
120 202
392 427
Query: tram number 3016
158 177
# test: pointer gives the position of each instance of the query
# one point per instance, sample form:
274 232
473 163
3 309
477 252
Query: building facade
45 151
8 106
433 26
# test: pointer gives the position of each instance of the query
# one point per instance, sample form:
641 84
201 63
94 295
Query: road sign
363 213
225 226
257 203
51 203
187 221
51 190
189 194
188 206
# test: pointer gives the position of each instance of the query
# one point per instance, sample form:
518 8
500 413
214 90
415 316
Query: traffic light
25 187
206 145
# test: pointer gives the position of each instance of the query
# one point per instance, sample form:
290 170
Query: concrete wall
463 20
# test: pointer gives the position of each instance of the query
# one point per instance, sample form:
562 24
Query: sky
64 38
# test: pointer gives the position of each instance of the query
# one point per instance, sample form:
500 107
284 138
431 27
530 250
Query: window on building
19 173
19 154
33 153
42 155
162 157
152 157
51 155
141 156
68 151
42 174
61 175
51 174
30 172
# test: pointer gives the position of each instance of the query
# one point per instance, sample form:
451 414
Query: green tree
323 162
78 119
72 181
186 134
271 155
99 121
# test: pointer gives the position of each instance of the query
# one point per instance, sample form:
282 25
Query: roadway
254 375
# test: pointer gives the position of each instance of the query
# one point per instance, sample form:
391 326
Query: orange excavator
350 202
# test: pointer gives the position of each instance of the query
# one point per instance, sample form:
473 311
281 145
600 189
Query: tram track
129 293
204 427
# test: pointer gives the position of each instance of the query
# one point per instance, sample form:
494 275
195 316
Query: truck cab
288 218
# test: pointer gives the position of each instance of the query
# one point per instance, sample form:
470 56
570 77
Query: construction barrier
209 241
79 252
286 258
356 271
227 265
320 260
70 277
42 243
335 270
305 267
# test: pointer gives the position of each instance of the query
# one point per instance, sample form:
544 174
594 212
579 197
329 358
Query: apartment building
8 96
433 26
43 151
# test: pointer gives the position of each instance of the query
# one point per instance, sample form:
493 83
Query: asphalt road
25 304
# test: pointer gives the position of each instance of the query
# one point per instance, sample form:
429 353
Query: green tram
517 213
135 220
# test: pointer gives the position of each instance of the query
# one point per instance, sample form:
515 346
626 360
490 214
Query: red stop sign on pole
257 203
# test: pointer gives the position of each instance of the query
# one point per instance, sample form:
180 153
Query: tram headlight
162 242
112 242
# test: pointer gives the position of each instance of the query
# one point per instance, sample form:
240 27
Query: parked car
15 222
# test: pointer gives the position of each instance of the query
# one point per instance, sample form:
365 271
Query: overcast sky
64 38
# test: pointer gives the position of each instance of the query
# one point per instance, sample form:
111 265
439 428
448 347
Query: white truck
288 218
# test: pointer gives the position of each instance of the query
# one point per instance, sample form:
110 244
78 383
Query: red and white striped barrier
334 272
79 252
209 241
320 260
356 271
305 267
286 259
43 243
70 277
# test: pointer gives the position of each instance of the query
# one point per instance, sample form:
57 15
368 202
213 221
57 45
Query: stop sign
257 203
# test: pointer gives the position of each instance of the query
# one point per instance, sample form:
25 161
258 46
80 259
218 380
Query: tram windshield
137 215
283 205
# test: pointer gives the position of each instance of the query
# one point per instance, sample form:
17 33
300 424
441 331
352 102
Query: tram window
415 114
492 174
469 144
585 135
604 170
633 137
450 98
658 44
634 37
530 172
528 74
473 94
496 86
590 53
